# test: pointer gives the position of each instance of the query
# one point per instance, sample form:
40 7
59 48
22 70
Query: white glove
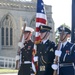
35 58
17 57
20 44
58 53
54 66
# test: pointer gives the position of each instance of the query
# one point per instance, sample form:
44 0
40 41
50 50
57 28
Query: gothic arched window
2 34
6 36
7 32
11 36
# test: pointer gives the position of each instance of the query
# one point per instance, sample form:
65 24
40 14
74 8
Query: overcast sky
61 10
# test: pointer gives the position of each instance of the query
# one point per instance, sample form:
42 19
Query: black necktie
62 46
41 42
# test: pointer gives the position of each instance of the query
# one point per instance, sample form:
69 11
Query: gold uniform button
30 67
25 44
45 52
40 52
23 59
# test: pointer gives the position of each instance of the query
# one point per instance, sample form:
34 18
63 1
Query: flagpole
41 19
73 22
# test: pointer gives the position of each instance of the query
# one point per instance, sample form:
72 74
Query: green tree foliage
57 33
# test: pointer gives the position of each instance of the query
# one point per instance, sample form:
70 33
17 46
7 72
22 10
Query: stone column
0 39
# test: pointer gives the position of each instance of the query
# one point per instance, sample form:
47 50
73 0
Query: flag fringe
37 42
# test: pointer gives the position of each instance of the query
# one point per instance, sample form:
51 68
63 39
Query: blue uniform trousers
67 70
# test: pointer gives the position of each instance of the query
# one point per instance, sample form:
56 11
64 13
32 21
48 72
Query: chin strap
27 36
64 38
45 35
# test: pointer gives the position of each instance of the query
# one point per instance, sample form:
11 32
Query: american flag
41 19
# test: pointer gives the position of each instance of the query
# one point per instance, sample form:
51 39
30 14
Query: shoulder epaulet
52 42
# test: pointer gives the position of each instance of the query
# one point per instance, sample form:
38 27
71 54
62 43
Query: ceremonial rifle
56 60
18 53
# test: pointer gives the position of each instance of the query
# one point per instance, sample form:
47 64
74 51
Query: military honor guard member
26 52
45 52
66 53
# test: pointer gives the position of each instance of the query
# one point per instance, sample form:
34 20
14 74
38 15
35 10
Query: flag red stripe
41 20
37 29
37 38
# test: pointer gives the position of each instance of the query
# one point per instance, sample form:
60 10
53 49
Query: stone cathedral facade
13 13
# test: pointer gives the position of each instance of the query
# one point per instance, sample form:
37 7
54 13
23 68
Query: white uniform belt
27 62
66 64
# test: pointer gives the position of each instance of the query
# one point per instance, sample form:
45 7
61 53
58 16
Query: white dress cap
29 29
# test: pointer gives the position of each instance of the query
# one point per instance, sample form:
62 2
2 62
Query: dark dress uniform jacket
26 56
45 57
67 60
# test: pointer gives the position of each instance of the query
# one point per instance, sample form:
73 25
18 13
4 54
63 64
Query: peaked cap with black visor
65 29
44 28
